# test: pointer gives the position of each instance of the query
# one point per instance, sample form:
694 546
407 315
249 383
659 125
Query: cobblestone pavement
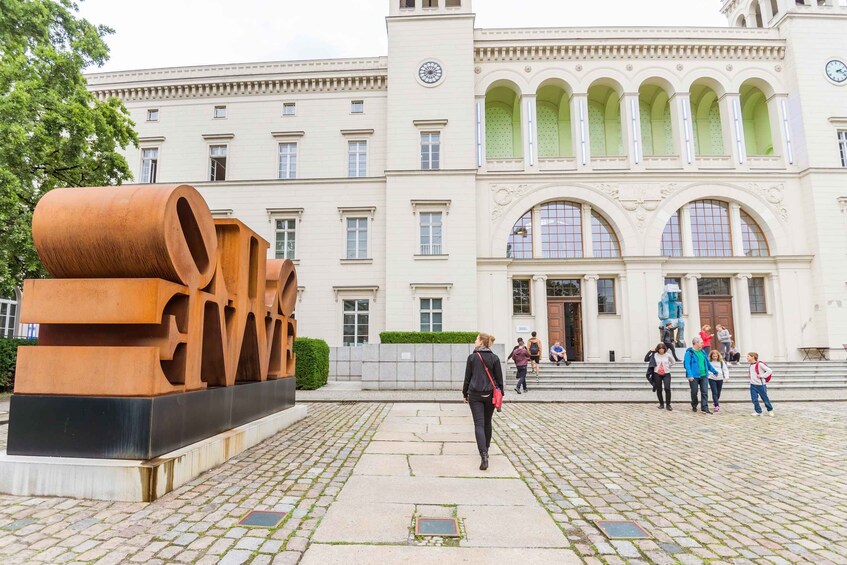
727 488
300 470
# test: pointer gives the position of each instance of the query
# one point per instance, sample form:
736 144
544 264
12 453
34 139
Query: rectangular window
713 287
217 158
287 161
149 164
431 232
357 159
520 297
564 288
8 310
289 109
431 314
756 286
286 237
430 3
606 296
357 107
407 3
842 146
220 112
153 115
356 322
453 3
357 238
430 151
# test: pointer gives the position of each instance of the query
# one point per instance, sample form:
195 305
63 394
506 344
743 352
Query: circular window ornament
836 71
430 73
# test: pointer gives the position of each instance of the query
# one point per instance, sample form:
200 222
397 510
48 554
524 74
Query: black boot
483 466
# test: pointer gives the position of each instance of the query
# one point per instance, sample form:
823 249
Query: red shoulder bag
497 396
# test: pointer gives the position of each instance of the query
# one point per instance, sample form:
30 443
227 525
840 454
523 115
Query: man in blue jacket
697 369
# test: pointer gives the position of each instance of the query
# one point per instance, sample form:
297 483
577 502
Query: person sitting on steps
558 354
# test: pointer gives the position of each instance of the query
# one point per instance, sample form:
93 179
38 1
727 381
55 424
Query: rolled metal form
140 231
281 277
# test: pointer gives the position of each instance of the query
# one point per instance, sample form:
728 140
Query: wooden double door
716 310
564 324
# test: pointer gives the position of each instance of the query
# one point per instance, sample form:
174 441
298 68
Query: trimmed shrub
312 369
8 359
428 337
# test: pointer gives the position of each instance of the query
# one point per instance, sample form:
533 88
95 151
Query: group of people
728 350
706 370
529 354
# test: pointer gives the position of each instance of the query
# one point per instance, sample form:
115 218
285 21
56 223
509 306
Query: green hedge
8 359
428 337
312 368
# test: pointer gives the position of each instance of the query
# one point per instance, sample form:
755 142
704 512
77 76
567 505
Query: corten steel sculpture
155 309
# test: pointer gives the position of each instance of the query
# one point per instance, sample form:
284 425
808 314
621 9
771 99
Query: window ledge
443 257
357 261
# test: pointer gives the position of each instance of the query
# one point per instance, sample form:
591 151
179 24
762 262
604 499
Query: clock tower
431 164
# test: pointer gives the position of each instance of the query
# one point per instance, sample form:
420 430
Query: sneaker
518 390
526 390
707 411
694 409
567 363
668 407
755 414
661 406
717 408
770 413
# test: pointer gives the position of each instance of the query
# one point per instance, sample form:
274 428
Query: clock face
836 71
430 72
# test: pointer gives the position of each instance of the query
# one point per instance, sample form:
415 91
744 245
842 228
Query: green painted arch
553 122
758 138
656 121
706 121
503 124
604 122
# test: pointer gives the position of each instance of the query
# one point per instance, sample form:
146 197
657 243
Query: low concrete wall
345 363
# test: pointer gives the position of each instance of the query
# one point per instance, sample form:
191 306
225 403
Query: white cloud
165 33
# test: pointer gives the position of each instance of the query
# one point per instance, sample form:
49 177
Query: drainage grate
621 529
262 519
442 527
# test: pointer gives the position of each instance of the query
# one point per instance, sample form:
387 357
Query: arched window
561 230
605 242
553 119
503 124
604 121
757 121
755 244
672 238
520 240
710 232
742 22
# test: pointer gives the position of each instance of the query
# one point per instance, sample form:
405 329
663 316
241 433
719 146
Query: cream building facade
547 179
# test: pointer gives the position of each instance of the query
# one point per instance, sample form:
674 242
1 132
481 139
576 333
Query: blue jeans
521 377
755 392
717 387
700 385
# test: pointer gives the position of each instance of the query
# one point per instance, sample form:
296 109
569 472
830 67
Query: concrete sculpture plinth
161 328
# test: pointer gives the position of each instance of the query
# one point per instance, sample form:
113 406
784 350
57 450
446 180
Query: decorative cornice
286 134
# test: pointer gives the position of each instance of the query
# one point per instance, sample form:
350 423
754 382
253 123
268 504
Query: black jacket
667 336
476 380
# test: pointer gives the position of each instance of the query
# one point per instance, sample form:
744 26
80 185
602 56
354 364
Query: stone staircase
789 376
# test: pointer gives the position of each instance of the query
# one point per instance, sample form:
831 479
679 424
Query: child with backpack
760 376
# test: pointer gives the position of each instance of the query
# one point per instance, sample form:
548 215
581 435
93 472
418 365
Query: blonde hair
486 339
716 352
754 355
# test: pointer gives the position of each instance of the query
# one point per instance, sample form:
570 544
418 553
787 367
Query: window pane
561 230
755 244
710 229
672 238
520 297
713 287
606 296
568 288
605 242
756 286
520 240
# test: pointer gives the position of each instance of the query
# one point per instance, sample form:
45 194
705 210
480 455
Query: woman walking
725 340
706 336
668 339
482 375
520 356
662 361
716 381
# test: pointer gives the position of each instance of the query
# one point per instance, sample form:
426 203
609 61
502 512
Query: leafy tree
53 132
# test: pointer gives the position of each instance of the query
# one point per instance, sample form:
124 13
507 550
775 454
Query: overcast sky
168 33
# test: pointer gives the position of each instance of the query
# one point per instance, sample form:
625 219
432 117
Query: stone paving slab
467 448
379 464
365 523
320 554
510 526
460 466
404 447
437 490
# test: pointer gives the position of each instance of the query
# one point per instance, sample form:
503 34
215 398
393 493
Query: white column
539 303
622 297
776 305
691 305
687 239
530 130
743 318
579 117
587 235
631 130
735 229
592 332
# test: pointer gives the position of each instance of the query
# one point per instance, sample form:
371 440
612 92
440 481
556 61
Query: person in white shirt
663 362
759 373
716 381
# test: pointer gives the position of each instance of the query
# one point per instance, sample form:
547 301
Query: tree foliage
53 132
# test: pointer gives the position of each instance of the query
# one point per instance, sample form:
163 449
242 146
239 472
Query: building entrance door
715 306
564 321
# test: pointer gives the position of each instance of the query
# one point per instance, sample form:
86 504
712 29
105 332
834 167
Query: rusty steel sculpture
161 324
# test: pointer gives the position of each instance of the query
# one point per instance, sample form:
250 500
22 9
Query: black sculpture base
137 428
